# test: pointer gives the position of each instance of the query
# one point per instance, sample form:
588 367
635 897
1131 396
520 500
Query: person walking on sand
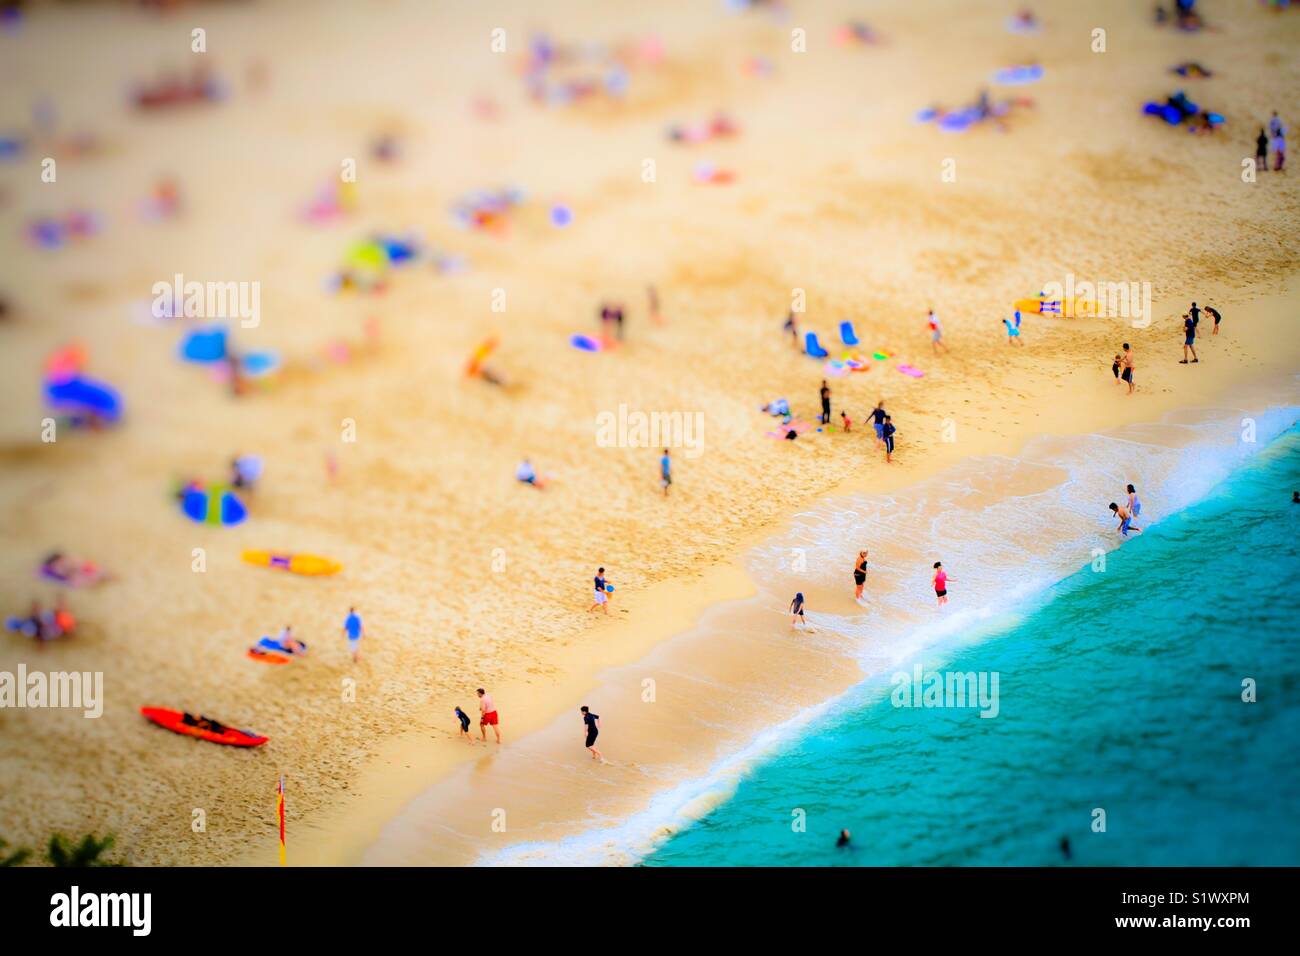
936 333
591 722
1128 367
878 416
601 592
941 583
826 403
887 432
1125 520
1279 150
1189 338
666 471
859 575
487 710
792 326
353 631
463 718
845 421
1261 150
796 612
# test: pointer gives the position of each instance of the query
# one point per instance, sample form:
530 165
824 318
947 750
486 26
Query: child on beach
464 725
591 723
887 436
353 631
941 583
1125 520
846 421
826 403
1134 506
666 471
488 715
936 333
601 592
859 575
796 612
1114 366
1013 331
1128 367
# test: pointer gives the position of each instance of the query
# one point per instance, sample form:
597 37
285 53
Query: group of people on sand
1123 364
1276 138
488 717
882 422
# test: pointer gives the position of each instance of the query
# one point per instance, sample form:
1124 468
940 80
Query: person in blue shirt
666 471
353 631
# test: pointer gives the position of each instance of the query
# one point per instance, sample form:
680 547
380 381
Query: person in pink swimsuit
940 583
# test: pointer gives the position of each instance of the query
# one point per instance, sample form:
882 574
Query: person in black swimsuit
888 438
592 722
1214 314
464 724
859 575
826 403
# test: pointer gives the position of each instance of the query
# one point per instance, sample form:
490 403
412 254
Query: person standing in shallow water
592 723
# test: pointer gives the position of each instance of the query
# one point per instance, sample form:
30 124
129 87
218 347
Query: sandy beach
464 577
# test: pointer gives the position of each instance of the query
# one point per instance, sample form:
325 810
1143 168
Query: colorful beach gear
180 722
213 505
310 565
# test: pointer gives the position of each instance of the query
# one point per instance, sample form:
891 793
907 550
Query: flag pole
280 812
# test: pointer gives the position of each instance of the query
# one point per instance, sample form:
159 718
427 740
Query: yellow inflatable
1069 308
309 564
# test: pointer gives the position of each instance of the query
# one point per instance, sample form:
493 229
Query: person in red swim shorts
487 715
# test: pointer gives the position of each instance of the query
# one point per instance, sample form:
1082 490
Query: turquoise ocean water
1119 690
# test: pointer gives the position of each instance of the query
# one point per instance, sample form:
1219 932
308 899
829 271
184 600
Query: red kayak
204 728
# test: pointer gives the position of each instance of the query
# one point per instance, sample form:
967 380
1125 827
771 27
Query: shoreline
344 837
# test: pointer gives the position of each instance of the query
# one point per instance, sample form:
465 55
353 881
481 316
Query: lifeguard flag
279 810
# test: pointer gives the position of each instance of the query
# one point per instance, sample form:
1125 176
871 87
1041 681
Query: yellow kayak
309 564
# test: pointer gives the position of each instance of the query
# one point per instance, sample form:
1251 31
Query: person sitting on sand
526 473
1125 520
289 643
